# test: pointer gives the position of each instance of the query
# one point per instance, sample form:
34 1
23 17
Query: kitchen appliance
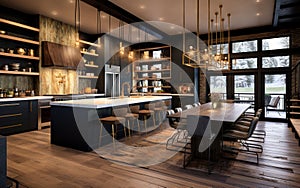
44 113
112 81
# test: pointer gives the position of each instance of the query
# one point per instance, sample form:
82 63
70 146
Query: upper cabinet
19 48
152 69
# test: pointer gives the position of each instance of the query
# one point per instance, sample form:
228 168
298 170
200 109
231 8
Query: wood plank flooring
35 163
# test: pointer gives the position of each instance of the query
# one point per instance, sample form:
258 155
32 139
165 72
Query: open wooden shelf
91 66
19 56
89 43
162 78
20 73
160 70
152 60
88 53
152 86
19 39
88 77
19 25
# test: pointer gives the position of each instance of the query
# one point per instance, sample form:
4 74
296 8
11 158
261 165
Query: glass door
275 96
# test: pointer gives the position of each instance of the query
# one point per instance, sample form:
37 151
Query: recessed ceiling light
258 1
161 19
142 7
71 1
257 14
54 12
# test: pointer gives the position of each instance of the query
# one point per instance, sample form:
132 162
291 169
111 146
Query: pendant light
77 21
99 27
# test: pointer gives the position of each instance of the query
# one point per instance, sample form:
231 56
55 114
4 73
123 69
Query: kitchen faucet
123 86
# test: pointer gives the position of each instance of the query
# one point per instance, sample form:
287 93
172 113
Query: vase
216 104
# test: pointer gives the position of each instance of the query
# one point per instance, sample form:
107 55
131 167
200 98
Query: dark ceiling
286 13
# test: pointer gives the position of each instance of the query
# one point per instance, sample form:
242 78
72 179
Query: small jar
1 93
10 93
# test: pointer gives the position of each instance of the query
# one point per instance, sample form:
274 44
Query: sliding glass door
275 95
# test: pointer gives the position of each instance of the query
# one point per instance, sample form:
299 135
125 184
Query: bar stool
132 115
116 119
147 112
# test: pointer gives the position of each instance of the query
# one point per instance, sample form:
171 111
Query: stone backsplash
52 80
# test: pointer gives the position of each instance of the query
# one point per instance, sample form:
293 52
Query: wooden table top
227 112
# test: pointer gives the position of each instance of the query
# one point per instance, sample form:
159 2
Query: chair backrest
134 109
188 106
258 113
119 112
168 102
274 101
150 106
178 109
170 112
252 126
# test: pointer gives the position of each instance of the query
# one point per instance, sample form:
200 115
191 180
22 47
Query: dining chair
273 104
242 137
180 127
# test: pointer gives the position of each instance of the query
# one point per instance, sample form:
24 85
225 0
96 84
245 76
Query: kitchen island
75 123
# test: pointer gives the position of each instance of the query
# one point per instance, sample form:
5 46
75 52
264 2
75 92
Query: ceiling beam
118 12
276 12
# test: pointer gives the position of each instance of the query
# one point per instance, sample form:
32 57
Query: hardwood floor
34 162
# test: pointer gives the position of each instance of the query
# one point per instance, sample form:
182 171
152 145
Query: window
276 43
218 85
277 61
244 87
245 46
248 63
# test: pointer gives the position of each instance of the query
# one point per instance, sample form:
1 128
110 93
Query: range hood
60 56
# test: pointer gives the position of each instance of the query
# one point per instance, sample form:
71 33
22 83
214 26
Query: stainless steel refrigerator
112 81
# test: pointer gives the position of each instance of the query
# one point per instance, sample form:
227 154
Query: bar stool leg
113 134
100 139
145 120
124 127
128 125
138 124
154 122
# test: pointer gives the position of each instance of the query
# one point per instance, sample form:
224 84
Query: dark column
2 161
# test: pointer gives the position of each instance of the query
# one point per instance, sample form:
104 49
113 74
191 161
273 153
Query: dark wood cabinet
18 116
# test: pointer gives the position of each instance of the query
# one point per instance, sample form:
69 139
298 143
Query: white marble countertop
108 101
25 98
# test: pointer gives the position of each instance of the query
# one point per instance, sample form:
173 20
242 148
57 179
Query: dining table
220 116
